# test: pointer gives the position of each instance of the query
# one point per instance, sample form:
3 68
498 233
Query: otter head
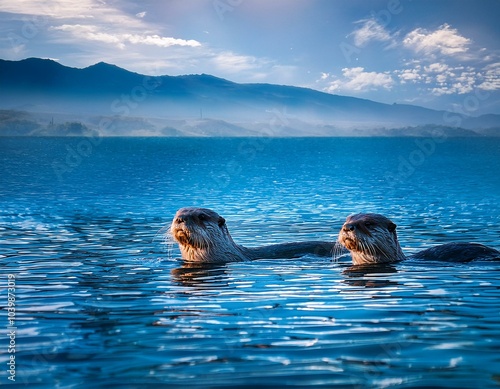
371 238
203 236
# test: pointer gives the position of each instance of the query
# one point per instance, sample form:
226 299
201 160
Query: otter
203 237
371 239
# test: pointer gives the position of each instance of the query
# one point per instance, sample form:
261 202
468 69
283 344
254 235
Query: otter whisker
367 247
371 249
168 241
164 231
338 251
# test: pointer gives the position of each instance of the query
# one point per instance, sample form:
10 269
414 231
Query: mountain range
47 97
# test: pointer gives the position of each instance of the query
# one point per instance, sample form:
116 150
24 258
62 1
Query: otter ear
391 227
222 221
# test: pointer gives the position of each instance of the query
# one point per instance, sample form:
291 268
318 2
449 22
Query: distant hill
220 106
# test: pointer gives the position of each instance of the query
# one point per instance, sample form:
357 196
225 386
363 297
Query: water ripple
103 299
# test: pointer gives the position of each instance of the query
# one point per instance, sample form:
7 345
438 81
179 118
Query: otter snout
198 216
185 216
355 228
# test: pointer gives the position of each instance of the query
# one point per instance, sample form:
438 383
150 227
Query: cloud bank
370 30
435 64
444 40
357 79
93 33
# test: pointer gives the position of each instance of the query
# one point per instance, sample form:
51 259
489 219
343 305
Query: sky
440 54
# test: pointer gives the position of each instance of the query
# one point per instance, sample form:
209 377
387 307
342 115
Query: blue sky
442 54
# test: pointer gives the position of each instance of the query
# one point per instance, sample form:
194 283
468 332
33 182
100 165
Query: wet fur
372 239
203 236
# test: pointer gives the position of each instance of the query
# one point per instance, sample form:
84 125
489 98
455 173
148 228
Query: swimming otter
371 238
203 236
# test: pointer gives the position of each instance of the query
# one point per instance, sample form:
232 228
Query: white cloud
435 79
454 88
93 33
441 79
357 79
445 40
410 75
245 68
105 22
54 9
87 32
370 30
436 68
229 61
438 72
96 10
491 80
160 41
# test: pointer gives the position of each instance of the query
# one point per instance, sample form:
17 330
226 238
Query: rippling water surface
102 298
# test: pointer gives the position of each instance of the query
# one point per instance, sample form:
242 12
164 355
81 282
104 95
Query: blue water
103 300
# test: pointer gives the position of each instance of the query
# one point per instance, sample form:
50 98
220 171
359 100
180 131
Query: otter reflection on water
201 275
371 239
203 237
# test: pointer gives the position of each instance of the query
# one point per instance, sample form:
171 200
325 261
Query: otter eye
202 217
368 225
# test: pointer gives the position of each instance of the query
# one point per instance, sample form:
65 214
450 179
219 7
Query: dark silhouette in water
203 237
371 239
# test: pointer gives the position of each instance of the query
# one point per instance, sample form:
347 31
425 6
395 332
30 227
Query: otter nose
349 227
180 219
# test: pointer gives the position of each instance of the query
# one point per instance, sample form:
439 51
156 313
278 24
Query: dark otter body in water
371 238
203 236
